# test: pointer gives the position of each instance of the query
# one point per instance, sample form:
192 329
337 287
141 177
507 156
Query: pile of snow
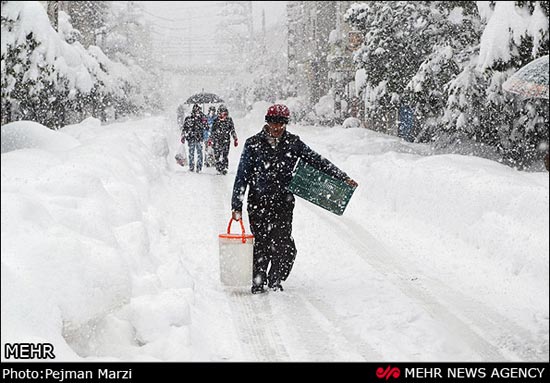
352 122
468 212
29 134
324 109
78 241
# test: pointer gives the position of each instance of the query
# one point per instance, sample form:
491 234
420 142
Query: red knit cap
278 113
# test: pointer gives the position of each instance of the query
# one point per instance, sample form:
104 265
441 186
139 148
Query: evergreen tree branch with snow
448 60
49 77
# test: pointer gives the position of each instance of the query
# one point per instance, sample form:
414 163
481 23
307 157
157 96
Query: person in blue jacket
210 117
265 168
208 149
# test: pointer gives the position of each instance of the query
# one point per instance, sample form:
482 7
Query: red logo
389 372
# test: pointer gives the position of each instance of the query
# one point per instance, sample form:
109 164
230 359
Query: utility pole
264 47
250 22
53 13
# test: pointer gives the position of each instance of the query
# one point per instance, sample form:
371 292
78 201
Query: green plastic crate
320 189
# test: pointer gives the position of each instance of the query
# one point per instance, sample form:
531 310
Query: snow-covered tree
455 27
88 17
39 70
448 61
127 39
478 107
48 75
396 41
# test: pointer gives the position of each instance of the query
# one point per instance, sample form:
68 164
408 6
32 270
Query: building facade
320 55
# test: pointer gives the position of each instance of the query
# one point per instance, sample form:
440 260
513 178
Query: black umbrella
204 98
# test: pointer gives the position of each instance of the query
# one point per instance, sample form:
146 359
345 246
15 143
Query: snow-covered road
349 298
352 295
114 247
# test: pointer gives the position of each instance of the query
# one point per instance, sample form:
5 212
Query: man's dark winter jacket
194 127
221 130
266 167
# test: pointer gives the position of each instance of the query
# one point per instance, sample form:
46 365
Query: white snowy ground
110 252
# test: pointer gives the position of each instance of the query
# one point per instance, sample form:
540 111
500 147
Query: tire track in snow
358 343
252 315
257 327
315 337
480 323
320 333
313 341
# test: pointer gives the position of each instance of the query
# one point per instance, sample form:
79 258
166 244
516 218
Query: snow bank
29 134
78 238
324 109
352 122
475 214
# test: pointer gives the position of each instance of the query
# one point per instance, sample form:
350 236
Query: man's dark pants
271 226
221 152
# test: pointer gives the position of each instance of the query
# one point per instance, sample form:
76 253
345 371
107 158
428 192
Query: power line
170 28
210 4
181 9
162 18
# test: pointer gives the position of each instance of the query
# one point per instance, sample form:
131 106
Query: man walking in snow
265 167
193 131
223 129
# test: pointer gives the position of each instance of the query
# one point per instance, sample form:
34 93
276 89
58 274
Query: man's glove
236 215
351 182
236 142
183 140
209 142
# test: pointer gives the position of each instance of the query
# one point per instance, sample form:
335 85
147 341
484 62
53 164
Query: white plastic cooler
236 257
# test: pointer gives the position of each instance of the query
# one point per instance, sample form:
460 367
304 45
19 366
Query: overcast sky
184 37
188 27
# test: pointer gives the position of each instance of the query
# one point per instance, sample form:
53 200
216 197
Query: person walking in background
180 117
208 149
193 131
222 131
211 116
265 168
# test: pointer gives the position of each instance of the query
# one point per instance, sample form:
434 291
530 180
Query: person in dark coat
193 131
223 129
181 117
265 168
